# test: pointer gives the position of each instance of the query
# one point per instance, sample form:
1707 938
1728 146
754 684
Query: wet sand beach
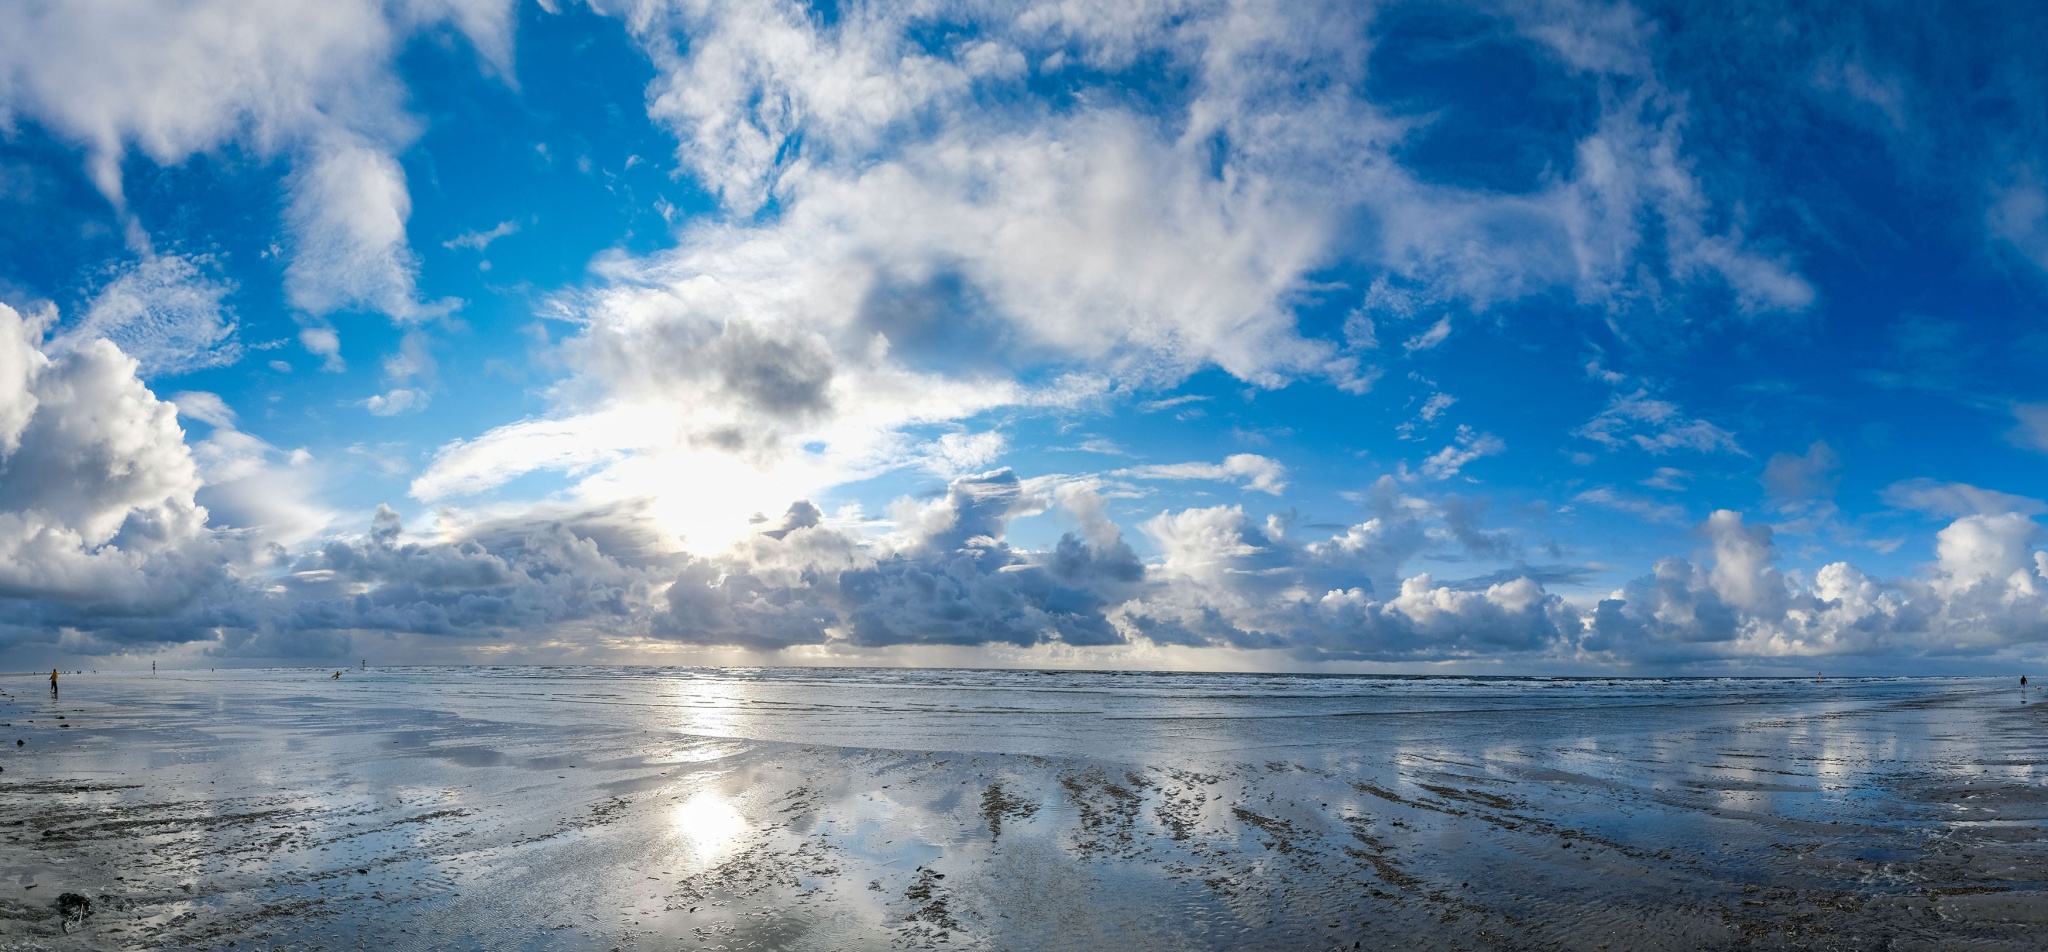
607 808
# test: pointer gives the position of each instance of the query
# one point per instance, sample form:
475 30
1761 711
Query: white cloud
312 81
1432 410
1469 446
1105 447
930 249
1656 426
479 240
21 361
1607 498
946 578
396 401
935 239
205 407
1359 331
955 454
1227 582
96 507
1257 473
1984 593
324 343
1224 580
1435 406
167 314
347 217
1667 477
2032 431
1201 544
1955 500
1168 403
250 485
1428 339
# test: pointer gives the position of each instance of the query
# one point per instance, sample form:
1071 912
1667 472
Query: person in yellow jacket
53 681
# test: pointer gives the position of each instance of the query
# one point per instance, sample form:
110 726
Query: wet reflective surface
602 808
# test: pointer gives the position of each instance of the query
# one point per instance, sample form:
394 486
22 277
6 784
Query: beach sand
607 809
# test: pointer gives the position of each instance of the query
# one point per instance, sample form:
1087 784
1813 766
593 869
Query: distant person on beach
337 676
53 682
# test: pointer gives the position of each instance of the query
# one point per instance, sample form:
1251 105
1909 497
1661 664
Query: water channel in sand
629 808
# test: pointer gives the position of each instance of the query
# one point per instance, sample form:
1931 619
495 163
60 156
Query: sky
1547 337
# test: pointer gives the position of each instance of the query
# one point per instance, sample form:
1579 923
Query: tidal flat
544 808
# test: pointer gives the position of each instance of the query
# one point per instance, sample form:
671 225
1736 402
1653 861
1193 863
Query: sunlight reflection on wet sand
600 808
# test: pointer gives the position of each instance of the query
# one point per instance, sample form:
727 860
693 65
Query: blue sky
1496 337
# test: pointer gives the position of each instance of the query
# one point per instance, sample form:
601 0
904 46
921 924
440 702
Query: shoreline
401 812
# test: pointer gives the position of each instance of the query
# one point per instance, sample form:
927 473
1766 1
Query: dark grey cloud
941 322
802 515
953 581
779 378
104 550
525 583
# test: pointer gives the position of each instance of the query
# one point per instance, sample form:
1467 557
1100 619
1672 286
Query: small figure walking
53 682
2023 689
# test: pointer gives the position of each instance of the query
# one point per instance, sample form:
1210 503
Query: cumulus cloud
110 544
906 240
494 581
1983 594
948 578
96 450
1227 581
1223 580
98 516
